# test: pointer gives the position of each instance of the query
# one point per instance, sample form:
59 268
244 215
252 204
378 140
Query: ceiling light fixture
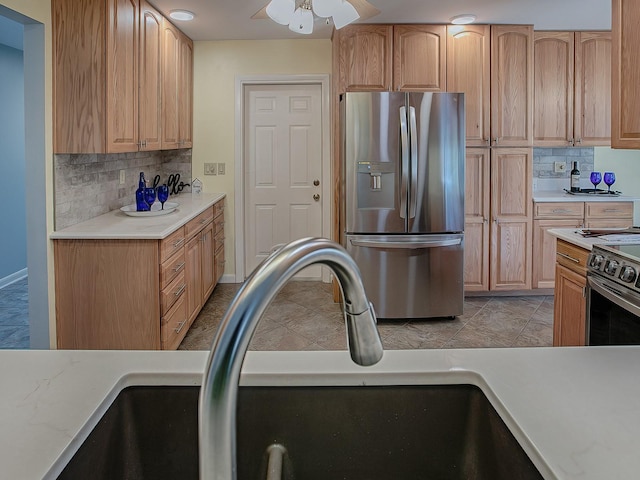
300 18
182 15
463 19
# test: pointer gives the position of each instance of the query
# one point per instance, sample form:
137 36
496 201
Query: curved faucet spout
219 391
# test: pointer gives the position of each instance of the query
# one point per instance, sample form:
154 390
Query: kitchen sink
355 432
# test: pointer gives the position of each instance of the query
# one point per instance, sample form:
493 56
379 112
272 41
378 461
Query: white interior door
283 169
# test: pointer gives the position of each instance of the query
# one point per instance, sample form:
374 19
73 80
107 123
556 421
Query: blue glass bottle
141 204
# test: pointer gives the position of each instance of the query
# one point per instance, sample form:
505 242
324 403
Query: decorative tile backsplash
88 185
544 159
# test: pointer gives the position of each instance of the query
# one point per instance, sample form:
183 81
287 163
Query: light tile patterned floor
304 317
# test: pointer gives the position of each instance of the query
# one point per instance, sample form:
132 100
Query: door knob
316 182
316 197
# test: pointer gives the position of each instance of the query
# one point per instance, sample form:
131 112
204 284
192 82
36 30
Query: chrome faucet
219 392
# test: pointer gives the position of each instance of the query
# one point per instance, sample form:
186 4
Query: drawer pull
179 267
206 220
180 326
612 210
561 210
180 290
178 243
564 255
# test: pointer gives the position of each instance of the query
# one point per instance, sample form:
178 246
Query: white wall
216 65
13 241
626 165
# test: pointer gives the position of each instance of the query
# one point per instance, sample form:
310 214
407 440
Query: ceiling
231 19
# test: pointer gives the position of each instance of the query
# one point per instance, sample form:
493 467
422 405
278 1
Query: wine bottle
141 204
575 178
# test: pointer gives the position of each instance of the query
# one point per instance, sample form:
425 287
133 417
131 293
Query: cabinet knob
316 197
316 182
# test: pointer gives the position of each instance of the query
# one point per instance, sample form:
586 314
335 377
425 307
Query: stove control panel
614 266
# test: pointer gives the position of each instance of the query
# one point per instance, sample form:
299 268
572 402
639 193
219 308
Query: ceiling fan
299 14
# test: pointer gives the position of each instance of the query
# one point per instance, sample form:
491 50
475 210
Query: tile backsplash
544 175
88 185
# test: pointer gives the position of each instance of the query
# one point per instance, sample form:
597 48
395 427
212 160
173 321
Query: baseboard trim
228 278
13 278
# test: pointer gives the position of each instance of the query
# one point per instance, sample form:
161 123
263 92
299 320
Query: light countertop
555 196
117 225
571 235
575 411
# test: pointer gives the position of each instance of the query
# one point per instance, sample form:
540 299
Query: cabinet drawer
174 325
219 264
218 226
572 257
218 208
559 210
172 292
198 223
609 223
608 209
171 268
171 244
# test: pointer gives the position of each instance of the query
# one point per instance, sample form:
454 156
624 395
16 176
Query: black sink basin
397 432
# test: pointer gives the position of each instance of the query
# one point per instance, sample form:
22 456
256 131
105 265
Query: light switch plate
122 177
559 167
210 169
221 168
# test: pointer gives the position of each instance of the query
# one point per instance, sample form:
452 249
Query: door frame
239 195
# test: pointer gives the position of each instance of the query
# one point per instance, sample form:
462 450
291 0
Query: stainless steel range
613 295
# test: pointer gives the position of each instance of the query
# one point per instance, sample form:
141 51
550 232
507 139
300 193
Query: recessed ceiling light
182 15
463 19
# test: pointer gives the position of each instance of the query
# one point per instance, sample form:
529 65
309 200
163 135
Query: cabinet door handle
180 290
564 255
179 267
180 325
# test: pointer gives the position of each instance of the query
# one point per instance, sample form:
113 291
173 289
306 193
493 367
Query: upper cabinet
365 56
107 69
468 71
625 70
572 89
419 57
511 85
386 57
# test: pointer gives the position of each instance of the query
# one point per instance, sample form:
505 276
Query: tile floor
304 317
14 315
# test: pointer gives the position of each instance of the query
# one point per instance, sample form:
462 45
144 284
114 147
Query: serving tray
156 209
594 191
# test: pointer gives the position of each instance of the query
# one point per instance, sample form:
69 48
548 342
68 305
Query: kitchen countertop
116 225
555 196
574 410
571 235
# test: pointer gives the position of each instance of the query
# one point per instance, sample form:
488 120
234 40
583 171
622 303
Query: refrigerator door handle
404 146
413 195
406 245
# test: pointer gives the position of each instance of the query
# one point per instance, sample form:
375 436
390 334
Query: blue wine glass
596 178
609 179
149 196
163 194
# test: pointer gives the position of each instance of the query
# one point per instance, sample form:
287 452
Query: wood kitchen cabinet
107 75
419 57
511 219
572 88
608 214
177 88
391 57
476 219
546 217
468 71
625 71
137 294
498 219
511 85
570 303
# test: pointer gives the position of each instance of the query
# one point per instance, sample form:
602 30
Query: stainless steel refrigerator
403 188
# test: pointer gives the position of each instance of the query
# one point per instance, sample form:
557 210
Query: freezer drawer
411 276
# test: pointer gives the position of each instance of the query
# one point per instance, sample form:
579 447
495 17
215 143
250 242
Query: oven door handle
613 295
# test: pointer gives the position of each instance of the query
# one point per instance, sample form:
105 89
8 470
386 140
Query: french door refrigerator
403 158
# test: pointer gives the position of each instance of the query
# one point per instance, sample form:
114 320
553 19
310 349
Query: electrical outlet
122 179
210 169
559 167
221 168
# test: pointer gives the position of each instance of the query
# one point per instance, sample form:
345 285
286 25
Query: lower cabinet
570 303
549 215
137 294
